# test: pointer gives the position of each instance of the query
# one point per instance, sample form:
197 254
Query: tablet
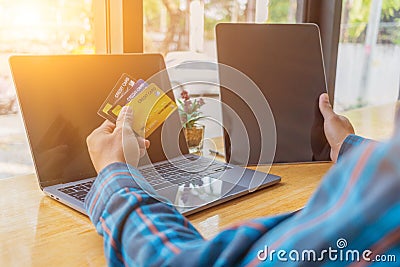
285 62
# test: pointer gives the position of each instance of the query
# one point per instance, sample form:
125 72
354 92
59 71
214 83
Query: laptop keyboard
178 172
78 191
182 171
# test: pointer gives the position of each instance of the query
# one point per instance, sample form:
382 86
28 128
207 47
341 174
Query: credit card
124 84
139 86
151 107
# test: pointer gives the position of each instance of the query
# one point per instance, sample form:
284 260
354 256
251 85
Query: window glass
188 25
368 68
41 26
184 31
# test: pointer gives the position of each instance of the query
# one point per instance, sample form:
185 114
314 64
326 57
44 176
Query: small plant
189 111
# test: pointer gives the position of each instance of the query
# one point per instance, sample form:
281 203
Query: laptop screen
59 97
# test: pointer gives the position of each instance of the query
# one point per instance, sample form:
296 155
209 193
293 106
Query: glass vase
194 138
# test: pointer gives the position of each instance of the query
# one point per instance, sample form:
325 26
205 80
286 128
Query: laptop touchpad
199 192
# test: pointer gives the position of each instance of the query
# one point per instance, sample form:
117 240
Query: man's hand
336 127
108 143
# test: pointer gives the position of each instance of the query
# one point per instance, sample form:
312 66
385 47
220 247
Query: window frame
118 26
327 15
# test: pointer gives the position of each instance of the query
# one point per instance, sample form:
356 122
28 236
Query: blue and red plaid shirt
352 219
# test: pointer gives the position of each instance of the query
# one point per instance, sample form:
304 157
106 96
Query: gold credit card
139 86
151 107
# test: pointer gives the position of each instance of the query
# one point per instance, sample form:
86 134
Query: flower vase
194 138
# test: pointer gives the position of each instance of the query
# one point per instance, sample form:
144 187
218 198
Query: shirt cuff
110 180
351 142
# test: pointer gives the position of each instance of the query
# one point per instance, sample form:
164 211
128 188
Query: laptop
59 96
286 64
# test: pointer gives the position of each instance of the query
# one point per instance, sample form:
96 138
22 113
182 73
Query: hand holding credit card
150 105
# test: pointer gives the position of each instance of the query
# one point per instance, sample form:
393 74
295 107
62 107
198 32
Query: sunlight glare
27 16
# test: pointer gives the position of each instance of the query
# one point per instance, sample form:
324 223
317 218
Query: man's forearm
137 228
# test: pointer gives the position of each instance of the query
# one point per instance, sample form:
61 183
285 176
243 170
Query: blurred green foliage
356 21
279 10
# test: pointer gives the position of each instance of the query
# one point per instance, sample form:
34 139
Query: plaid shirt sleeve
355 209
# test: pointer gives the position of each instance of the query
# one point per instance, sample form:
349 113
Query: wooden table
38 231
374 122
